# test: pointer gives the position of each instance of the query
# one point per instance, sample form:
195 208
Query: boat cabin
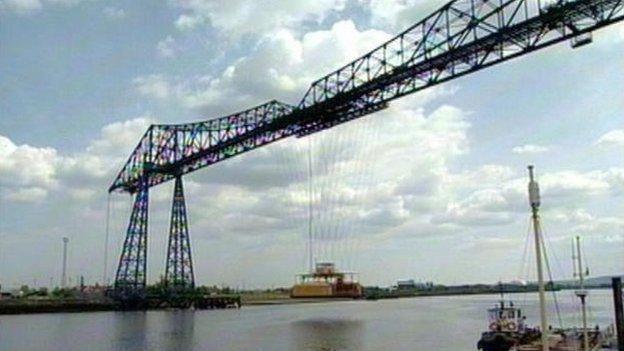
506 318
326 281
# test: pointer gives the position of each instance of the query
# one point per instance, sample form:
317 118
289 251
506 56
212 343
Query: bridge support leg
179 266
131 277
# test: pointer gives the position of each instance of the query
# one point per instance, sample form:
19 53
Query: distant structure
408 284
64 274
411 284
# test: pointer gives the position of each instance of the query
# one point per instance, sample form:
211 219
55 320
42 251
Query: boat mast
534 199
582 294
310 195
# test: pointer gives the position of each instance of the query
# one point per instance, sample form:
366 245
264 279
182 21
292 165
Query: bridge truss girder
464 36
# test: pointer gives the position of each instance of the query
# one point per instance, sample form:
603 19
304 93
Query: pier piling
619 311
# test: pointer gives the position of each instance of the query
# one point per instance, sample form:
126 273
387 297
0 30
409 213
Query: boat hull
497 341
506 341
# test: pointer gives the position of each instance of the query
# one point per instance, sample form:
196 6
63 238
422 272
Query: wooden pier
211 302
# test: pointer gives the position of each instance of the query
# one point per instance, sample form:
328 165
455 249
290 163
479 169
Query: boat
577 338
326 282
508 331
507 328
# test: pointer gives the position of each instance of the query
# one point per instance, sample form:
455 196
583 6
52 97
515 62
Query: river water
427 323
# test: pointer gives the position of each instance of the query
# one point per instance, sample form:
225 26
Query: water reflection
130 331
327 334
179 328
428 323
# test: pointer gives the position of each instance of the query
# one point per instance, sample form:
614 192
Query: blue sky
443 200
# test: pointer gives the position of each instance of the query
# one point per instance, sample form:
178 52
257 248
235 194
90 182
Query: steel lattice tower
130 280
179 267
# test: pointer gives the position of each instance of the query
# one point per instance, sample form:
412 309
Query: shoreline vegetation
71 302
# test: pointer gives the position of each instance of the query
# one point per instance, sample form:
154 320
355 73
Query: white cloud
564 187
472 216
166 47
258 16
578 215
612 138
66 2
614 238
613 33
33 194
186 22
29 6
529 149
118 138
588 225
154 85
114 13
27 172
21 6
499 197
400 14
105 155
486 176
574 183
279 66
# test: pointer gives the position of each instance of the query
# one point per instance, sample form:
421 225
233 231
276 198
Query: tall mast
64 274
534 199
582 294
310 248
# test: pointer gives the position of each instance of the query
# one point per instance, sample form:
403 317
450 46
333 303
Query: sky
432 188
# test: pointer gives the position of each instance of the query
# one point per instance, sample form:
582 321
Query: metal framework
462 37
179 275
130 280
167 151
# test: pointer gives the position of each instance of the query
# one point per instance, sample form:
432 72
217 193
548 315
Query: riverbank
290 301
26 306
69 305
30 306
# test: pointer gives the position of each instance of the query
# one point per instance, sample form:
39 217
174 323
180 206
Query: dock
209 302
